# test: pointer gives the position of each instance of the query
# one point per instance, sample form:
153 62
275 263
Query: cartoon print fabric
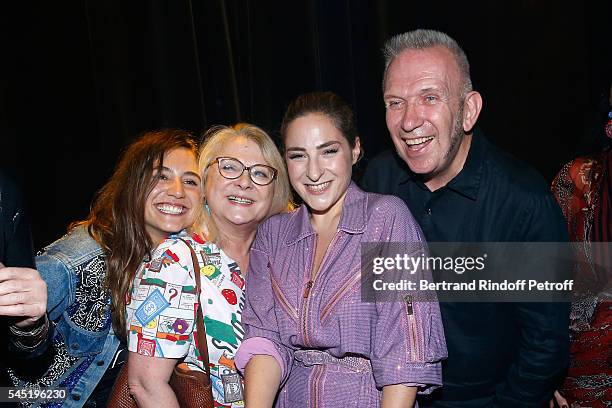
161 309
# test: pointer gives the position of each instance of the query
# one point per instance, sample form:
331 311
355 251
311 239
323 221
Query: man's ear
471 110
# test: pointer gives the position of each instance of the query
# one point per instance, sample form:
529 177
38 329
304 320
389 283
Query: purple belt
309 358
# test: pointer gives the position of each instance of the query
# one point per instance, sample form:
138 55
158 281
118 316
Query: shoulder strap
201 329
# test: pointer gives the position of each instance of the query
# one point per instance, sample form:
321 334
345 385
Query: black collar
467 182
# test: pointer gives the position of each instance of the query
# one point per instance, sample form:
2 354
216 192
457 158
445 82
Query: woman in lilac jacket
309 334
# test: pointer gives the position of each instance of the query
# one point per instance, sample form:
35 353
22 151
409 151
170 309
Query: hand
23 294
558 401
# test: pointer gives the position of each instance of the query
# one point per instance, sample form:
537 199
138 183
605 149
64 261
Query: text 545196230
10 394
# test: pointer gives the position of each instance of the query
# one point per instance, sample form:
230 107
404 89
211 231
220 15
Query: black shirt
16 247
500 354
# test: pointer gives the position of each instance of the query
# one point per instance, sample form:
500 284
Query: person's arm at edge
262 381
398 396
544 326
148 379
422 370
30 337
263 343
26 300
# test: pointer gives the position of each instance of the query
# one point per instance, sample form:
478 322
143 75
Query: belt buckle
310 357
315 357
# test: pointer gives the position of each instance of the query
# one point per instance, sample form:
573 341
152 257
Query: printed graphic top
162 305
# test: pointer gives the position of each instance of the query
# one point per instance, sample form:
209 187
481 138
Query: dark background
80 79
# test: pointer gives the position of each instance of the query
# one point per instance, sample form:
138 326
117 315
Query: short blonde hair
214 140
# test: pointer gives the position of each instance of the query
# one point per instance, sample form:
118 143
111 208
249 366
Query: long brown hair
116 219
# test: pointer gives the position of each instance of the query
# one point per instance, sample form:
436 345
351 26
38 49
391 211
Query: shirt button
428 211
76 397
74 346
100 363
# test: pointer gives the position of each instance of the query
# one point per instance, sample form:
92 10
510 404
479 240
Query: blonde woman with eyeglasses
244 182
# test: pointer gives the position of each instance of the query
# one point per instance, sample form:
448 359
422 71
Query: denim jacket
74 269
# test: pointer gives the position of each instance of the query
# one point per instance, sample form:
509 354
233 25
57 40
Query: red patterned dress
583 189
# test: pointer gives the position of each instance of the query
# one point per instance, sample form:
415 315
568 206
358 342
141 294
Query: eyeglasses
231 168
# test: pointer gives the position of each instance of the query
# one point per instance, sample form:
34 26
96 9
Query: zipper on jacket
310 283
306 294
315 378
414 349
340 294
283 300
308 287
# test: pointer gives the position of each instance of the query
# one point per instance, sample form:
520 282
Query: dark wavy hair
116 219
